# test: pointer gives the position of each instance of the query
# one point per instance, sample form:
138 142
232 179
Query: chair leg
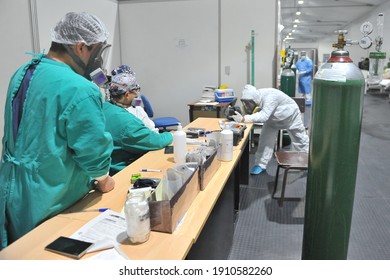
281 199
276 182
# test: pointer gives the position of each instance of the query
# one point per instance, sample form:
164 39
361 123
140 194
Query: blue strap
19 98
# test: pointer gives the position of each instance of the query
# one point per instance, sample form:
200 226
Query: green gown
131 137
61 145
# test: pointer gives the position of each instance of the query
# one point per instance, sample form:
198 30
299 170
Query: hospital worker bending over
277 111
132 138
55 143
133 108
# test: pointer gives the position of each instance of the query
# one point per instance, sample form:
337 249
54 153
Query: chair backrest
301 103
147 106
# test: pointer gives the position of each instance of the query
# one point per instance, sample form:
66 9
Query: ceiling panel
321 18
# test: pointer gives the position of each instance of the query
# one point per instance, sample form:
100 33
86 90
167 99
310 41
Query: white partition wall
25 27
239 18
16 40
173 48
49 12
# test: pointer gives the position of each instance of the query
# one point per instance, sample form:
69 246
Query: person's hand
237 117
105 185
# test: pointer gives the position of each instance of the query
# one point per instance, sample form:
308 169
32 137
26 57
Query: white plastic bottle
226 140
179 145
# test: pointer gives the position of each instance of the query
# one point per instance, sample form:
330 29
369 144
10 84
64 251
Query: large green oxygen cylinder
287 82
338 90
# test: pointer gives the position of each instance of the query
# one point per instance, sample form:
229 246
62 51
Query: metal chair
288 160
162 123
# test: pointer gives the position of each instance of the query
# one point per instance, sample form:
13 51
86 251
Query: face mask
95 60
249 105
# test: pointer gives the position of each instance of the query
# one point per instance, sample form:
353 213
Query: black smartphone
69 247
168 150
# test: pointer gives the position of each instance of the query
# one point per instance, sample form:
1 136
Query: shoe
256 170
308 103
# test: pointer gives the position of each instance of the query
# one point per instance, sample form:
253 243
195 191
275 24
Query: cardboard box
166 214
207 170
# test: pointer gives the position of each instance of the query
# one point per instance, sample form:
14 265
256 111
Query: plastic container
137 217
377 60
224 95
226 148
179 145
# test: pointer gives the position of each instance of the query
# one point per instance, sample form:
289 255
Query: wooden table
205 110
200 228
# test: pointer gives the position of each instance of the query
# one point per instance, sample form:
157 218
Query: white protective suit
277 111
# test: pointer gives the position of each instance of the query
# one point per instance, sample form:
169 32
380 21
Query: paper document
111 255
207 103
106 231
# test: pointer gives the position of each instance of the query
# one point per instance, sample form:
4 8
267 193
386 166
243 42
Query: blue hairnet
79 27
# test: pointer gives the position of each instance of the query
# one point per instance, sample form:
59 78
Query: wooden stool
288 160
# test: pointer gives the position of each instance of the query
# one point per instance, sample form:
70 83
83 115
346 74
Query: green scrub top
61 145
132 138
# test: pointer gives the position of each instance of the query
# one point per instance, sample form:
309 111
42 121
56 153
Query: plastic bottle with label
179 145
226 148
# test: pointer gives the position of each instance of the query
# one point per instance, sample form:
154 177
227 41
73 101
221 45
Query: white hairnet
79 27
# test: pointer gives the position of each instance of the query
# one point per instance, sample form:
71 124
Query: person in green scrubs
132 138
55 147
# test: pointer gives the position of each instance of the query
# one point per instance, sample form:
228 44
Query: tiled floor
265 231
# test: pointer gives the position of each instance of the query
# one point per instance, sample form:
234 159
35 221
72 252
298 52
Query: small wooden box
165 215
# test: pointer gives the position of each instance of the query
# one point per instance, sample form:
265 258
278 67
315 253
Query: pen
92 210
150 170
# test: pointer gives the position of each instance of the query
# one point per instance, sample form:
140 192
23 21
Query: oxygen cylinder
287 82
333 157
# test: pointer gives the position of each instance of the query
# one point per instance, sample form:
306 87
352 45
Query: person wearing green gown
55 148
131 137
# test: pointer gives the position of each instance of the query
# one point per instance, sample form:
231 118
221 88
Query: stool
288 160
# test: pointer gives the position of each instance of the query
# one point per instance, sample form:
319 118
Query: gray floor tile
266 231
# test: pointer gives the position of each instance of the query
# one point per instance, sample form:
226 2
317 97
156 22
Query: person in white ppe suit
277 111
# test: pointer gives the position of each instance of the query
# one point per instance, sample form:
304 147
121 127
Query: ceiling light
296 20
298 13
300 2
295 25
